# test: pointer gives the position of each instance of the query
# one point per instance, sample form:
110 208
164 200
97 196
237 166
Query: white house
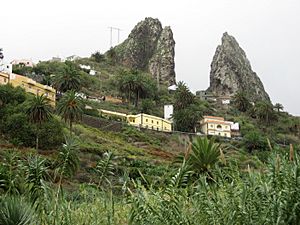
85 67
168 111
92 72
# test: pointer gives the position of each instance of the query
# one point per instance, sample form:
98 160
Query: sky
267 30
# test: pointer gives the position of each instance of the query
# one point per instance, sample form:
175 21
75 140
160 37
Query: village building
206 96
73 58
216 126
4 78
23 62
141 120
33 87
29 85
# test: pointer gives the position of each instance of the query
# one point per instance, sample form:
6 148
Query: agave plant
15 211
36 172
68 160
204 155
105 168
11 173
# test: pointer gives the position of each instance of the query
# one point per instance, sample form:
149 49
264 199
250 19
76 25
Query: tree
183 96
135 86
264 112
112 55
241 101
70 107
187 109
186 119
22 69
254 141
98 57
69 78
278 107
147 106
39 111
11 95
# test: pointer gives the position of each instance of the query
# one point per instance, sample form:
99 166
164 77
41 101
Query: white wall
168 111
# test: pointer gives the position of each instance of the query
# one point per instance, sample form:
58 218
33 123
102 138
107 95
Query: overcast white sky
268 31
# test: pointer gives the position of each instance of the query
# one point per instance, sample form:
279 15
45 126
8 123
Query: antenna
111 34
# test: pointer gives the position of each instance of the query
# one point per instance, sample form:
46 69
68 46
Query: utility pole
1 59
111 34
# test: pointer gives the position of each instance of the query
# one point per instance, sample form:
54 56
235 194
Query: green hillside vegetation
58 168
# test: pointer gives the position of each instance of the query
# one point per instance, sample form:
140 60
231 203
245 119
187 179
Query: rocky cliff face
231 72
149 47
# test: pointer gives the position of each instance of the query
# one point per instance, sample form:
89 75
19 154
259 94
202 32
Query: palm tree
138 87
132 83
264 111
183 96
241 101
70 107
125 84
204 155
39 111
68 78
278 107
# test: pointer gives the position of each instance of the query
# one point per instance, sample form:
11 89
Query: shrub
255 141
51 134
19 130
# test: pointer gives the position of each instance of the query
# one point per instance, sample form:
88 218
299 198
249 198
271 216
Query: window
226 127
219 126
152 127
157 122
219 134
151 121
157 128
225 134
165 128
5 80
133 120
146 120
211 126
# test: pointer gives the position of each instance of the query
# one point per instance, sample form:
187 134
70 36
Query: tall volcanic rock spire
151 48
231 72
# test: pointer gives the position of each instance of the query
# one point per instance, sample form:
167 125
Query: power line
111 34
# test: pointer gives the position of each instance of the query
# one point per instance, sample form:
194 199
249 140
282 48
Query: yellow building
113 115
29 85
4 78
140 120
212 125
150 122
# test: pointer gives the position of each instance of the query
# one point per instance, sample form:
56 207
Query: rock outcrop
231 72
149 47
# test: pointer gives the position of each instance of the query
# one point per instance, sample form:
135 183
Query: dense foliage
231 196
188 110
17 114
